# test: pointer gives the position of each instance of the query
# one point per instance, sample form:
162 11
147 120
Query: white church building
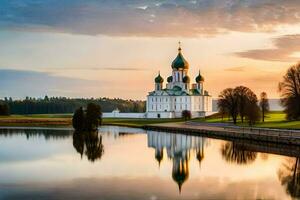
179 94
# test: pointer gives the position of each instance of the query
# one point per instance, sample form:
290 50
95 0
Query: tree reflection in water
236 153
289 175
89 143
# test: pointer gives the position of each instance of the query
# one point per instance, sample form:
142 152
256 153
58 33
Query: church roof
180 62
186 79
176 91
159 79
199 78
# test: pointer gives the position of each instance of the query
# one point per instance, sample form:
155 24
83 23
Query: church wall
158 114
123 115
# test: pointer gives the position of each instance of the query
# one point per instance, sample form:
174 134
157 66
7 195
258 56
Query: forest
52 105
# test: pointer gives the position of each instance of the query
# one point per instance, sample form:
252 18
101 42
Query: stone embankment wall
258 134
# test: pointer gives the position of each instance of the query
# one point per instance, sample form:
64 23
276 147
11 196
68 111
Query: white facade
179 94
116 114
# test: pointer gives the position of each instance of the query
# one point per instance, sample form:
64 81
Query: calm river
126 163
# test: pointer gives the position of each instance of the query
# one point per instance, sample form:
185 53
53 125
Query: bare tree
239 101
289 176
242 94
264 104
222 108
290 92
228 101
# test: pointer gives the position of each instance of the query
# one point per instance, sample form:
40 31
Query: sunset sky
115 48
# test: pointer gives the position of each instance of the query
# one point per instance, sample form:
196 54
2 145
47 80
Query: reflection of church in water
178 148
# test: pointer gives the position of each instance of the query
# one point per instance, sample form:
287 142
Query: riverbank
34 121
221 131
65 120
273 119
195 126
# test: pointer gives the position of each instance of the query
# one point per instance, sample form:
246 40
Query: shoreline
208 129
277 136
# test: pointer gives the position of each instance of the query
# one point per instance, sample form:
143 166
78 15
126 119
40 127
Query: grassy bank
65 120
136 122
36 120
274 119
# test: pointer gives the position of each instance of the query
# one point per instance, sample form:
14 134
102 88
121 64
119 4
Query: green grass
274 119
65 120
136 122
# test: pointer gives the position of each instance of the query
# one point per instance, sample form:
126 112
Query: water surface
126 163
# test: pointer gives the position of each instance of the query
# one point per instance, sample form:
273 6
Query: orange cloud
284 48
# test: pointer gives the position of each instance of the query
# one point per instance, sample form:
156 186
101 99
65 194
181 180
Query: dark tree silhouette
264 105
186 115
4 109
78 119
88 143
252 108
239 101
242 94
228 101
87 120
289 175
236 153
94 147
222 109
290 92
78 142
93 116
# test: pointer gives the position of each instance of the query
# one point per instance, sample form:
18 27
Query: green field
136 122
65 120
274 119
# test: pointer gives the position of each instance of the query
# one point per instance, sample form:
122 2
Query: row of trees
50 105
242 102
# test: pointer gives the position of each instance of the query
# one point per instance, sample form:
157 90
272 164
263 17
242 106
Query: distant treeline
51 105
